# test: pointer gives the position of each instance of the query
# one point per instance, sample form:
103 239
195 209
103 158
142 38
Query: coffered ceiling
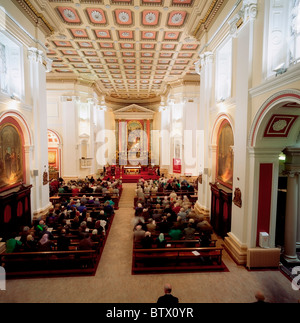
128 49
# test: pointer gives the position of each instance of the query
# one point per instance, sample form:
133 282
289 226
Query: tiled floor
113 282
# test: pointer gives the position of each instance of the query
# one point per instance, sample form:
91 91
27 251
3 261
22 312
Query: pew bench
20 264
180 243
177 259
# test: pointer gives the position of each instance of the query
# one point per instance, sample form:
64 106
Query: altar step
135 178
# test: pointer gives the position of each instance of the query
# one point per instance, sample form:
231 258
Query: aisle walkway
113 282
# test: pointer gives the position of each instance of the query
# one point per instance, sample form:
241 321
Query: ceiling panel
130 48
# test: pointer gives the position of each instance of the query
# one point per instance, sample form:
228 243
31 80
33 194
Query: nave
113 282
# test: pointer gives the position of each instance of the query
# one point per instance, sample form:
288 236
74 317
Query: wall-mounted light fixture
280 69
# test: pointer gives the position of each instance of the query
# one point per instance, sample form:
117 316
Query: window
224 71
283 32
11 80
84 119
294 31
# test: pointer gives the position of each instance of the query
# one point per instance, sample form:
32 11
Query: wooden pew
192 197
181 242
101 196
177 259
34 264
55 263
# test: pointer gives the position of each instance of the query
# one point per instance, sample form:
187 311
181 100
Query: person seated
151 225
147 242
83 200
145 214
63 242
89 223
161 241
75 191
13 244
85 243
189 234
175 233
176 208
138 236
81 207
165 201
40 227
97 203
156 215
30 244
94 214
90 201
99 228
139 209
98 189
75 223
204 226
25 232
182 214
82 229
45 244
205 239
164 225
95 237
108 209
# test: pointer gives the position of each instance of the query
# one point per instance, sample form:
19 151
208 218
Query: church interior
123 121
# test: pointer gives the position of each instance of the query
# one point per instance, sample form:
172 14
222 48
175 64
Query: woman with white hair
161 241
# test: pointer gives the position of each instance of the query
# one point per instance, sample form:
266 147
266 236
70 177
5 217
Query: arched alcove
275 127
54 154
222 143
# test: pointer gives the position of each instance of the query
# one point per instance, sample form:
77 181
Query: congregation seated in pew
63 218
176 220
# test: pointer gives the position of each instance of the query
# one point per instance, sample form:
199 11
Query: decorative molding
205 59
277 98
42 212
209 16
233 23
134 111
249 9
35 16
236 249
280 81
38 56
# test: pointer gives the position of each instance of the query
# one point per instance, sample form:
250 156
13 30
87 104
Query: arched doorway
54 155
275 133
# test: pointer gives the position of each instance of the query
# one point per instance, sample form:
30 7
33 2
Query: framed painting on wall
225 154
11 156
52 157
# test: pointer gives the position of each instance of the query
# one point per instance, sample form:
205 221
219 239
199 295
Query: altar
132 170
131 173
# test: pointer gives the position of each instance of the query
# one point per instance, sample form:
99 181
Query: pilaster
39 65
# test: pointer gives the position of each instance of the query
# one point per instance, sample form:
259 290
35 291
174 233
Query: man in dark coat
168 299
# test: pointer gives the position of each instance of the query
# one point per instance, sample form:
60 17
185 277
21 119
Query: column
206 103
40 191
291 215
70 133
292 169
298 215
